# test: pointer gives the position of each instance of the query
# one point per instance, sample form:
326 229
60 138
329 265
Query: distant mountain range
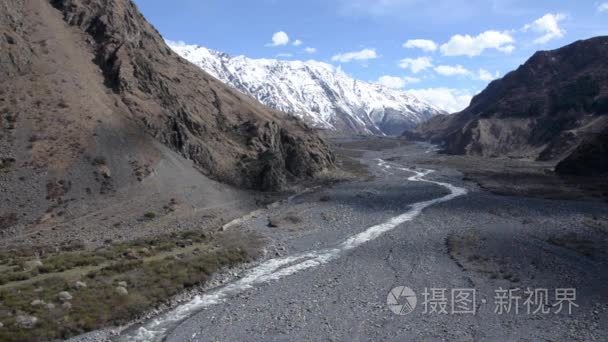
317 92
553 107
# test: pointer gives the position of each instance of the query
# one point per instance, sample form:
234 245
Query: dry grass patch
111 285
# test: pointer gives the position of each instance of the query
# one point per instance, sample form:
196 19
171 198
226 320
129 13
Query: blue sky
442 50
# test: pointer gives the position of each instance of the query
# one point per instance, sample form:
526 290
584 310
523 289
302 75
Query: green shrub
149 215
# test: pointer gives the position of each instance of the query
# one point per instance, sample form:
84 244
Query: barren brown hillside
101 122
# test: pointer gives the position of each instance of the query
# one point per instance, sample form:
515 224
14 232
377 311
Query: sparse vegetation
62 104
576 243
324 198
154 270
5 163
99 160
150 215
8 220
578 95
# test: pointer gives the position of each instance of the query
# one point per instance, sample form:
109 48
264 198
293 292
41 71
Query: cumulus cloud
396 82
449 99
452 70
459 70
548 27
176 43
416 65
310 50
284 55
603 7
297 42
485 75
422 44
362 55
466 45
279 38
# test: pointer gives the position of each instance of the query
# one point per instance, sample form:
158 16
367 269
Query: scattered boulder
121 290
37 302
66 305
80 284
64 296
26 321
1 325
123 284
36 263
131 255
104 171
287 218
50 306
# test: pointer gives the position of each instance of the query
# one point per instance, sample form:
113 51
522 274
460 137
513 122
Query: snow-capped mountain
317 92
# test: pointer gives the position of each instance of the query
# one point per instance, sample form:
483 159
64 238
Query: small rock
104 170
36 263
130 254
64 296
121 290
26 321
66 305
122 284
50 306
1 325
80 284
9 39
37 302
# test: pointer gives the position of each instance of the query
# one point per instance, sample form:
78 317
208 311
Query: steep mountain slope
97 112
544 110
315 91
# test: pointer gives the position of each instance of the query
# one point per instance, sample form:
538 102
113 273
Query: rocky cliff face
589 158
543 110
229 136
317 92
97 113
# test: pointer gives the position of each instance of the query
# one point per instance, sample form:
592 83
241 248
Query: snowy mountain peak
318 92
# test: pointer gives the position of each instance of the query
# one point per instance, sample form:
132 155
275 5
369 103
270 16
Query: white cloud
284 55
452 70
416 64
279 38
423 44
459 70
176 43
410 80
548 27
466 45
310 50
362 55
448 99
297 42
485 75
396 82
603 7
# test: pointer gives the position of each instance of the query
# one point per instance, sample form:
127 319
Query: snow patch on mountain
318 92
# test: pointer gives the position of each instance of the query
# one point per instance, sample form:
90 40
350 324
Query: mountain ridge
317 92
544 110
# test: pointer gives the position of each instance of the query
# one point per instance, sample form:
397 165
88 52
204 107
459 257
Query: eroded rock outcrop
230 136
547 109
